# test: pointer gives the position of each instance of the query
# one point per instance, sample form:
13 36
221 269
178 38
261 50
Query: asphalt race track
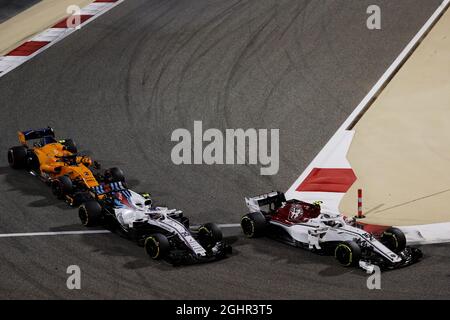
122 84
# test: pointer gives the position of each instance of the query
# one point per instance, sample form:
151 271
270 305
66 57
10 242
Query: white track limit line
86 232
56 233
223 226
230 225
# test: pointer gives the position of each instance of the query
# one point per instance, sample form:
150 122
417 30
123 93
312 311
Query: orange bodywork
55 167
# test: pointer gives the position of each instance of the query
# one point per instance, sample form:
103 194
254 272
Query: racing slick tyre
157 246
17 157
209 234
90 213
254 224
394 239
62 187
347 253
116 175
79 198
70 146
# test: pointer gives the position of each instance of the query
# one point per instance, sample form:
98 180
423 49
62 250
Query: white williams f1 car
163 232
305 225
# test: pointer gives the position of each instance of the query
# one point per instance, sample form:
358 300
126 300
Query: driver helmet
148 200
295 212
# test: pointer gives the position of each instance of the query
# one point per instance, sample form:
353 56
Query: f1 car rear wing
276 198
107 188
24 136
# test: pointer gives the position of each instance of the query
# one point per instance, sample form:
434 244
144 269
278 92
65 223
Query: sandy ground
401 149
34 20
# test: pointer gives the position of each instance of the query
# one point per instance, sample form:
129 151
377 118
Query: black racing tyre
90 213
70 145
347 253
80 197
17 157
394 239
254 225
157 246
116 175
209 234
62 186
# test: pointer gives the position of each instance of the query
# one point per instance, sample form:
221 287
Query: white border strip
223 225
427 233
331 144
230 225
422 242
57 233
105 7
65 233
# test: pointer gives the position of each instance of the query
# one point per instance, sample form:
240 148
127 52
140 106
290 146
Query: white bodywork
138 211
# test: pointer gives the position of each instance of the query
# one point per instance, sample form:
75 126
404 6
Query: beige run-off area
32 21
401 149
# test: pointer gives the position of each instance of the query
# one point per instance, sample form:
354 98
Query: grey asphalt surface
122 84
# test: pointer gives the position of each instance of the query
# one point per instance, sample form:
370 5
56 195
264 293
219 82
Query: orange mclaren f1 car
57 163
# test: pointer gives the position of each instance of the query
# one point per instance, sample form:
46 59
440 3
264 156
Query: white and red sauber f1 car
305 225
163 232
